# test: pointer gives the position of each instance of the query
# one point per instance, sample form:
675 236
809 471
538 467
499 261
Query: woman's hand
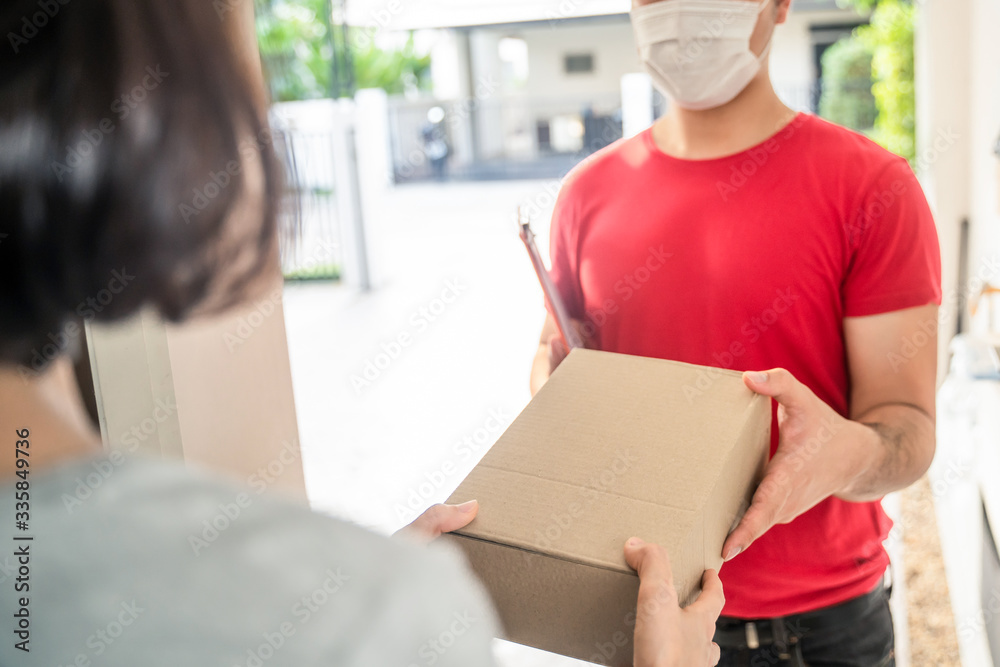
439 519
665 634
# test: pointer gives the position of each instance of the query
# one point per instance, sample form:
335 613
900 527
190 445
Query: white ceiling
409 14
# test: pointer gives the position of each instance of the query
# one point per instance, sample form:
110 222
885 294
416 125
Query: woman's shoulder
217 565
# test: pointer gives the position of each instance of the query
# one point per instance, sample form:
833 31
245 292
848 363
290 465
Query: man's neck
751 118
49 407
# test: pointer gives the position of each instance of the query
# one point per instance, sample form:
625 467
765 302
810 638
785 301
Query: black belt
785 632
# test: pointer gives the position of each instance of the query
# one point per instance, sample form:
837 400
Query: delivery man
736 233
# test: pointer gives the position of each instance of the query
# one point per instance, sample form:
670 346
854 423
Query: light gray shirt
147 564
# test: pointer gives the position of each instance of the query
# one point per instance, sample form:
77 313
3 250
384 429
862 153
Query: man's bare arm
892 360
542 365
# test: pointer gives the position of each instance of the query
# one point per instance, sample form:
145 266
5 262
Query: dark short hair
128 131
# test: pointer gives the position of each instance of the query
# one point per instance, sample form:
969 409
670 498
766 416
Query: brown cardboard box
612 446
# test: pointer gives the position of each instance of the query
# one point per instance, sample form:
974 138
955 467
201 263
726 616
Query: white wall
944 91
983 132
958 119
610 43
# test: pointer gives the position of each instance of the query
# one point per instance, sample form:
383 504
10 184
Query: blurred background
417 128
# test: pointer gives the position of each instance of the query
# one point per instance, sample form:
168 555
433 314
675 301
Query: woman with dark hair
113 116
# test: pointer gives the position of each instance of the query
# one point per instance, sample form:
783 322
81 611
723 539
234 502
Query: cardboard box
612 446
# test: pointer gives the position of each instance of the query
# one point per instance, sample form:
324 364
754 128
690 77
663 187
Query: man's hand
666 635
552 350
886 445
820 454
438 520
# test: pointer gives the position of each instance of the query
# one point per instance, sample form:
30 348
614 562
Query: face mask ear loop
767 50
770 40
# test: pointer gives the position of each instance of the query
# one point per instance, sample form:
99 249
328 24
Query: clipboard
563 320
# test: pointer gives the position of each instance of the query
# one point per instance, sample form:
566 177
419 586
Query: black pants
865 641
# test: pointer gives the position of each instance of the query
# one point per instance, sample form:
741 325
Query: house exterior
528 88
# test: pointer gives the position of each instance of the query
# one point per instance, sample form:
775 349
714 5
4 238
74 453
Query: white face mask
698 51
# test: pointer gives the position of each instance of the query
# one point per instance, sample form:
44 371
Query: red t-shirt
751 262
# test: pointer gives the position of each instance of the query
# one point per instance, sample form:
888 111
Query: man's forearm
900 440
540 368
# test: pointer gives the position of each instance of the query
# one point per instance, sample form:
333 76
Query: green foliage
295 48
329 271
297 53
889 36
847 86
393 71
862 6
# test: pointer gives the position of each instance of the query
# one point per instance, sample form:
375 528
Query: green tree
297 53
847 85
295 48
889 37
394 71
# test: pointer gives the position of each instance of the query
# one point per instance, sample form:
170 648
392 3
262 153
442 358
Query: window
582 63
513 54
